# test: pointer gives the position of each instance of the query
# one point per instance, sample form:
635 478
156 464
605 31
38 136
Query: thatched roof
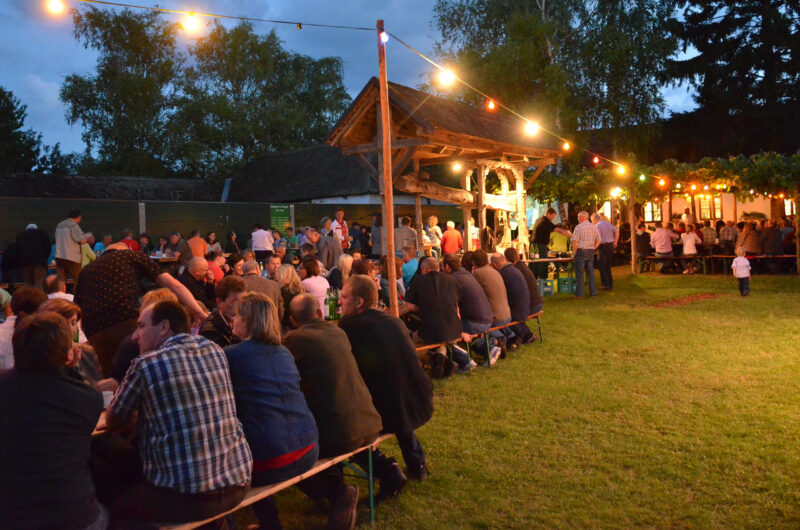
297 176
444 128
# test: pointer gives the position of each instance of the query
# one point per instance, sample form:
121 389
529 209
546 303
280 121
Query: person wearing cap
32 250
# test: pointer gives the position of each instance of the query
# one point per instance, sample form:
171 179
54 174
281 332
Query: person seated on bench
47 421
492 284
661 241
473 307
337 397
195 459
536 300
400 389
277 423
435 296
25 301
519 301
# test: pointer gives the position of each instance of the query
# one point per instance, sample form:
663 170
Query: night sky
37 49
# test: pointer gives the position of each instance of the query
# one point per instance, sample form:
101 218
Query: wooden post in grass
388 193
797 229
632 221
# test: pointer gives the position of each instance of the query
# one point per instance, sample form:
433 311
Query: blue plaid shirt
190 439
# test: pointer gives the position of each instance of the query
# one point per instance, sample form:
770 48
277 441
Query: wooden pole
388 193
669 211
632 221
797 229
481 196
735 208
418 223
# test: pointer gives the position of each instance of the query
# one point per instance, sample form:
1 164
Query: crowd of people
223 373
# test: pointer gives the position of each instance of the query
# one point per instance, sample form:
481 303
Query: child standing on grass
741 269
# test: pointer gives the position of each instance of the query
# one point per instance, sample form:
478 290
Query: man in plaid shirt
195 459
585 240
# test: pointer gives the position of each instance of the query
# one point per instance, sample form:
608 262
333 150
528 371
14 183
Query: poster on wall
279 216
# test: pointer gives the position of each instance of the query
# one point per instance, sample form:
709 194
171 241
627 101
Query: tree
578 64
126 106
246 95
19 149
746 71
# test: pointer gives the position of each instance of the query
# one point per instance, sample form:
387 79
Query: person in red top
197 244
451 239
128 241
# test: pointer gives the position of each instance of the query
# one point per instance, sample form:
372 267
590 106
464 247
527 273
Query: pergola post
467 212
632 221
481 174
386 155
522 214
797 229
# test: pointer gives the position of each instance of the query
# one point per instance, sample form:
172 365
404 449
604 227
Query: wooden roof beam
375 147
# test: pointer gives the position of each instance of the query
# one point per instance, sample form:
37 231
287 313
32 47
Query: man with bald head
337 397
200 281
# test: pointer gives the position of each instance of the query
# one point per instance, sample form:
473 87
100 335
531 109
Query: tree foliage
19 148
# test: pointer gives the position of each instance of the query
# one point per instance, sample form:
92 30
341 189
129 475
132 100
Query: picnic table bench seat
262 492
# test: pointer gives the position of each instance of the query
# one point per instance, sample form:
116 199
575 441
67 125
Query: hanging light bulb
56 7
596 160
457 166
491 105
191 23
694 187
566 146
661 182
678 185
642 177
621 169
531 128
446 77
705 187
616 193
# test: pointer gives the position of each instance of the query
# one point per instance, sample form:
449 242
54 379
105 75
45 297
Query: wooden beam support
534 176
401 159
375 147
481 178
413 185
366 164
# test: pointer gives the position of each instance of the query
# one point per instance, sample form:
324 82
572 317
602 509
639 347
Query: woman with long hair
290 285
231 247
277 423
312 279
213 244
339 274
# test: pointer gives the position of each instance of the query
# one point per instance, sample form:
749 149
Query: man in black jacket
401 391
33 249
519 300
200 281
536 301
217 327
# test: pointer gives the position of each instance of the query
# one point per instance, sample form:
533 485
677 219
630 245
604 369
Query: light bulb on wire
446 77
56 7
621 169
191 23
491 105
457 166
661 182
531 128
566 146
596 160
642 177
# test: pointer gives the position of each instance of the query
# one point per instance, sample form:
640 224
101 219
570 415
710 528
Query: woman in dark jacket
278 425
232 247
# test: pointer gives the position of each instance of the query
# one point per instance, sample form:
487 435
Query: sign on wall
279 216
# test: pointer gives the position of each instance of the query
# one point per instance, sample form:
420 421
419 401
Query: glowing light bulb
678 185
661 182
705 188
191 24
457 166
446 78
616 192
566 146
596 160
694 187
56 7
531 127
781 196
621 169
491 105
752 192
642 177
384 37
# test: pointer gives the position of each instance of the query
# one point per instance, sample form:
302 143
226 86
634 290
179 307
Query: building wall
759 205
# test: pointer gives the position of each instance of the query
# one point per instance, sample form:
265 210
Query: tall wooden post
522 211
388 191
481 196
735 208
632 221
669 211
694 208
467 213
418 223
797 229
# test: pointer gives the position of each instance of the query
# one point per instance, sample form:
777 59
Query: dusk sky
37 50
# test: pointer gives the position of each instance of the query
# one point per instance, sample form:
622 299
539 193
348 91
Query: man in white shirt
69 238
261 243
340 230
661 241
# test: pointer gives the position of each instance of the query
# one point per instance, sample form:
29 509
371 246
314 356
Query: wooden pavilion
428 130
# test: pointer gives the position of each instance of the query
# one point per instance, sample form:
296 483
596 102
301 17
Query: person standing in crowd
337 397
195 458
339 229
261 242
688 217
178 248
328 250
377 236
291 238
434 295
355 237
748 240
46 432
741 270
200 281
108 295
404 235
609 237
535 296
519 301
69 238
25 301
495 289
451 239
278 426
197 244
585 240
709 237
258 284
542 230
217 327
473 308
100 246
435 235
772 244
128 241
32 251
400 389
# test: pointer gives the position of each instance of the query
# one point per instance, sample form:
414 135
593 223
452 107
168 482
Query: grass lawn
629 414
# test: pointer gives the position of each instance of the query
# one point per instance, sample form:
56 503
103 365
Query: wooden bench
448 345
652 259
257 494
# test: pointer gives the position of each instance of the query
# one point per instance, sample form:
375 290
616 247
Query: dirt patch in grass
687 300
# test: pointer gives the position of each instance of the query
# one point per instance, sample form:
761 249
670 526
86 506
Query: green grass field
632 413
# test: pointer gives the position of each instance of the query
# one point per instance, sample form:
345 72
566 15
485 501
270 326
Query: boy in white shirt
741 269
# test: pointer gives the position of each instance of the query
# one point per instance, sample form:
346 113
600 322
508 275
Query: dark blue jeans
477 328
605 258
584 261
744 286
413 455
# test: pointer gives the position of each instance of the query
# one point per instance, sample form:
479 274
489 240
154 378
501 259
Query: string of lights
446 76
